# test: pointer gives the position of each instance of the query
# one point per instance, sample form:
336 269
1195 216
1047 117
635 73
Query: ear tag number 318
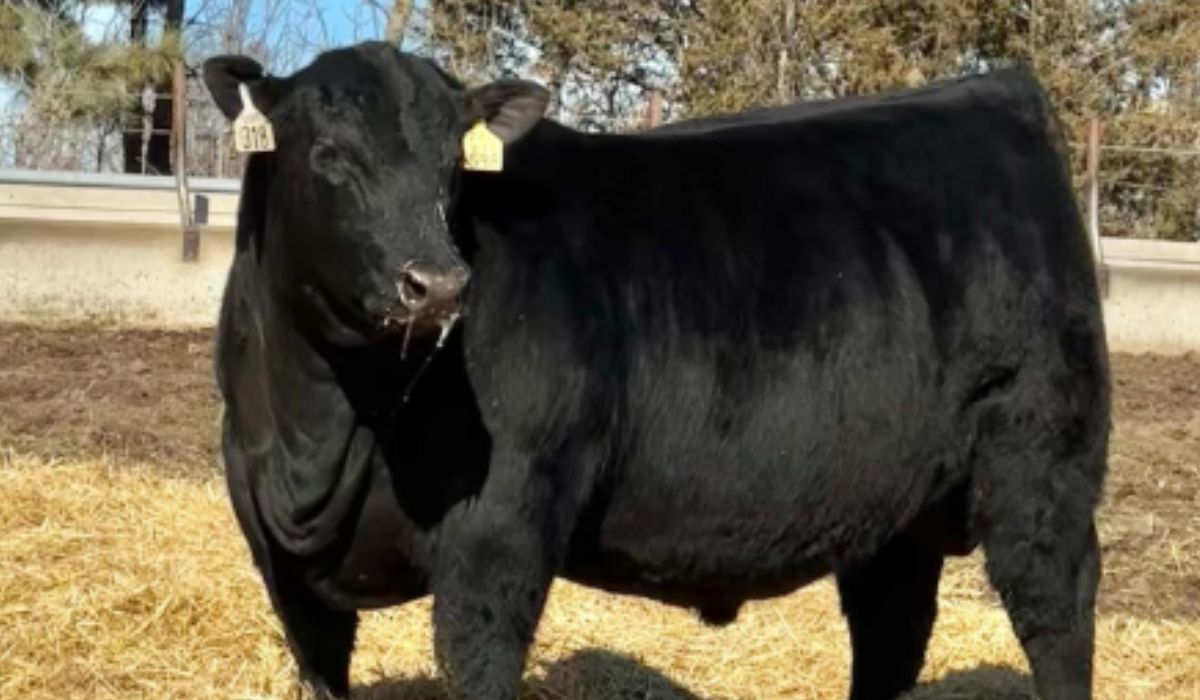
252 132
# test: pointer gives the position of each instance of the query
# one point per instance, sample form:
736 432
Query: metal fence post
191 233
1093 203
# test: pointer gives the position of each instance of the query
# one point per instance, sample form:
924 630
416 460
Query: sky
319 24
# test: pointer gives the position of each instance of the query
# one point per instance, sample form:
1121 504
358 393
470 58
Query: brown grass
120 578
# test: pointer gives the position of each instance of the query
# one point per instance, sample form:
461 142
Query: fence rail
118 181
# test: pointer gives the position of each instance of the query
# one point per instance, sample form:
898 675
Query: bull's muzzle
431 294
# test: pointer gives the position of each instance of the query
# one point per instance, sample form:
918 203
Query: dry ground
122 574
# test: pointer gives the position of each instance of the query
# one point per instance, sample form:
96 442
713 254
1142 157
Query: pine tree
68 78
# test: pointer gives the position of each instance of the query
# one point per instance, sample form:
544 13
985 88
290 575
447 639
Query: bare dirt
1150 522
142 396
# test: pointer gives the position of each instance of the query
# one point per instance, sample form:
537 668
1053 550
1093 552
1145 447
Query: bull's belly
714 551
753 525
717 595
381 579
759 496
695 566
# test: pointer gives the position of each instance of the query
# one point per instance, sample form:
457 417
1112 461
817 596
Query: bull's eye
327 161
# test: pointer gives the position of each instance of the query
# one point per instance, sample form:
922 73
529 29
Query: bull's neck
536 172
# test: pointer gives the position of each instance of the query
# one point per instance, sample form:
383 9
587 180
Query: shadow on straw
595 674
591 674
983 683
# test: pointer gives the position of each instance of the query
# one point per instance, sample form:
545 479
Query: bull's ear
510 107
223 75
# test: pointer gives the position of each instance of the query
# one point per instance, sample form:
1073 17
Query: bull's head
350 208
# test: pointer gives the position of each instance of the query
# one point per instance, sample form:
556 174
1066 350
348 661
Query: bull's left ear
510 107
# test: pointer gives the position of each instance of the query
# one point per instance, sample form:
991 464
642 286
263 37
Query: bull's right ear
510 107
223 75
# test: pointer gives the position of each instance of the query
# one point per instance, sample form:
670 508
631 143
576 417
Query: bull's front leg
496 559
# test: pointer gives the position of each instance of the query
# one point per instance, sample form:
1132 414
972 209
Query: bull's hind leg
1035 491
1048 582
890 602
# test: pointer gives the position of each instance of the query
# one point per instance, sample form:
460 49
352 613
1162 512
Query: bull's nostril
413 289
428 292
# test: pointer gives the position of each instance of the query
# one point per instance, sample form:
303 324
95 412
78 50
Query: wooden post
191 234
397 23
783 86
1093 202
654 109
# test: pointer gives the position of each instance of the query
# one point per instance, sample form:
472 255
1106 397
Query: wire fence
1142 191
1149 192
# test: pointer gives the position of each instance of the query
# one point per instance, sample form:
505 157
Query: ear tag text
482 150
252 131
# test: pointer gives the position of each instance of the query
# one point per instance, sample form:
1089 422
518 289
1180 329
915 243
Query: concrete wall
76 251
127 277
1153 300
108 249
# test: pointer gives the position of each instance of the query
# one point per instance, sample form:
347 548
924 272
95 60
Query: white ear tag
482 150
252 132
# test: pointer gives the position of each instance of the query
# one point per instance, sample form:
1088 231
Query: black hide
705 364
719 361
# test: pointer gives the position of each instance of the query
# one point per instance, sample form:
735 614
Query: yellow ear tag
252 132
482 150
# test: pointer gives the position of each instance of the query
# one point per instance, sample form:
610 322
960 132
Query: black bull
705 364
